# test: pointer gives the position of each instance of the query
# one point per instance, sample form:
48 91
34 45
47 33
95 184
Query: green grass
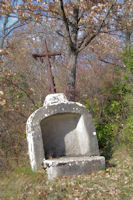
112 183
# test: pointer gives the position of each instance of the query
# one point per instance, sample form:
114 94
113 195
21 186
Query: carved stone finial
54 99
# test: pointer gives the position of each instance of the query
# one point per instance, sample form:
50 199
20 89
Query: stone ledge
69 166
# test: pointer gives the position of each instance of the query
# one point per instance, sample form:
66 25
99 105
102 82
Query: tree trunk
3 32
71 81
128 34
72 63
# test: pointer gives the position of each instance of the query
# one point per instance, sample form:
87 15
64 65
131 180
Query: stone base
68 166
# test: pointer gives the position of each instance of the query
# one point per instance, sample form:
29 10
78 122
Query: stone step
69 166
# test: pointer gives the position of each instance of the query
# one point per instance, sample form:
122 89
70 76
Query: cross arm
44 55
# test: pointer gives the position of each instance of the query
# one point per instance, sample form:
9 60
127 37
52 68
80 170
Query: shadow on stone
59 134
62 136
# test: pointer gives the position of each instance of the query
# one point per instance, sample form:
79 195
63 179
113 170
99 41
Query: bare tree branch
12 25
28 96
4 32
107 62
86 41
66 23
60 34
13 29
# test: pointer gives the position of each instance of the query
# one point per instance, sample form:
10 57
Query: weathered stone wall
60 128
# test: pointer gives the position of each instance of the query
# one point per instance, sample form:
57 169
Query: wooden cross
45 56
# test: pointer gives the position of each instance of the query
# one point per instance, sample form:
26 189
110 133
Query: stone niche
62 138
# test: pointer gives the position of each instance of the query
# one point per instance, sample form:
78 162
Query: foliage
16 104
128 59
110 114
127 132
88 35
78 23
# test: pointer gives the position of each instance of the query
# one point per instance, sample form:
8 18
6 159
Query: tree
81 27
10 20
79 22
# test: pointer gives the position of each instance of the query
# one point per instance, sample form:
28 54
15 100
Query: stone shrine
62 138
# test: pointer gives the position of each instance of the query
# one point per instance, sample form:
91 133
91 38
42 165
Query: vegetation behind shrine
114 135
104 85
111 109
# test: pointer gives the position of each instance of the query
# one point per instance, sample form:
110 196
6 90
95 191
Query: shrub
127 132
16 104
110 113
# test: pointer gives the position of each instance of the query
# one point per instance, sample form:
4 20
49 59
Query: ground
113 183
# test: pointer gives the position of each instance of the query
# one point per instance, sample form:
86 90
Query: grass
113 183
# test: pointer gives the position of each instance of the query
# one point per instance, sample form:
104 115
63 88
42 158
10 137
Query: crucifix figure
45 56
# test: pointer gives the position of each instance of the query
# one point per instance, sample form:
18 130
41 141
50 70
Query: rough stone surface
60 128
70 166
53 99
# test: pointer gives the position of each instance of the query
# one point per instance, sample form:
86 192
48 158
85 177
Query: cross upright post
45 56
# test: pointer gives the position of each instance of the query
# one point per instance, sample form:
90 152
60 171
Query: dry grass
114 183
